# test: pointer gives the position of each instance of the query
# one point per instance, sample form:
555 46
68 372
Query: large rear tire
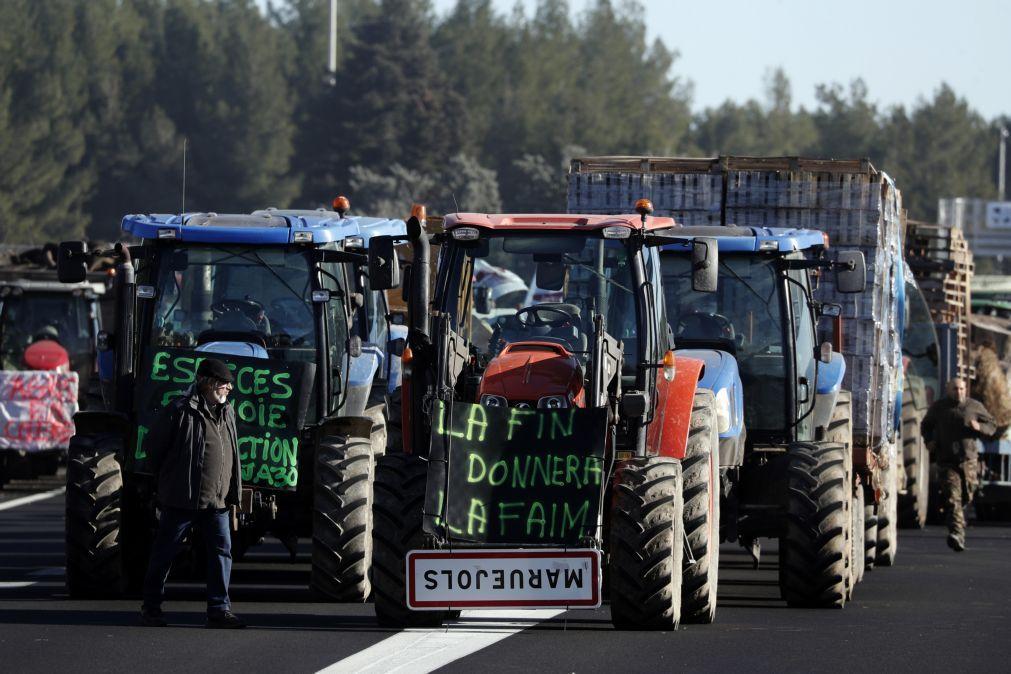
400 498
815 546
94 550
888 510
916 462
342 519
647 544
701 476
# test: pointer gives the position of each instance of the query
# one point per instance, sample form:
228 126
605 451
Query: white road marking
49 571
14 584
25 500
425 650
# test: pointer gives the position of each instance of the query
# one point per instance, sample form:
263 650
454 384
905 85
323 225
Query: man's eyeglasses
223 384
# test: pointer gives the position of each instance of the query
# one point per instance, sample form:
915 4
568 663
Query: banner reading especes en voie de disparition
270 399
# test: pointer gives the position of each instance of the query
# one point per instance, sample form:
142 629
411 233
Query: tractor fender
394 365
87 422
667 435
721 373
357 427
828 385
830 374
360 378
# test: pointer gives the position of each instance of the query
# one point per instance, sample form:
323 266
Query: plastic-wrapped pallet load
857 205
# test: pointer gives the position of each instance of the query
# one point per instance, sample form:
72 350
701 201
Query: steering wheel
250 308
290 312
703 325
243 314
537 319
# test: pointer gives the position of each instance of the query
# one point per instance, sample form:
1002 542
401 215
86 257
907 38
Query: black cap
212 367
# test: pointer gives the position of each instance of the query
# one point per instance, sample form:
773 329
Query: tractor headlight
489 400
723 412
552 403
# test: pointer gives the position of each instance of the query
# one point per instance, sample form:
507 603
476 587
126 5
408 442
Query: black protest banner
270 399
515 476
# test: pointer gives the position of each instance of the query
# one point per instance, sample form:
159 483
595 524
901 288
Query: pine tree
43 98
394 106
221 83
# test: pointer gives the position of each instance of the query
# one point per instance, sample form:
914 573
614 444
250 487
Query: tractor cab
539 356
528 433
764 315
279 296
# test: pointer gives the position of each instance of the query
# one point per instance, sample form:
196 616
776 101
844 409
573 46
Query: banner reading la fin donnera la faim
270 399
515 476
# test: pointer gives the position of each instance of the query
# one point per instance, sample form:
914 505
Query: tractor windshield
235 293
569 279
65 317
743 317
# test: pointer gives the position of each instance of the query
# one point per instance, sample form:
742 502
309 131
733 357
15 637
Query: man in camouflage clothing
952 425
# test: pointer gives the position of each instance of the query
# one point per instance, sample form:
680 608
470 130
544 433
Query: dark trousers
173 526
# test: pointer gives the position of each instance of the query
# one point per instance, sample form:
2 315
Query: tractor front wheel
342 519
94 549
701 473
888 512
815 546
647 544
870 530
400 499
859 512
913 504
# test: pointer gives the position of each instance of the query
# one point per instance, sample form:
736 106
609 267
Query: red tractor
549 447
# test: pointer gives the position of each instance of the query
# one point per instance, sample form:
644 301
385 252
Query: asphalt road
933 611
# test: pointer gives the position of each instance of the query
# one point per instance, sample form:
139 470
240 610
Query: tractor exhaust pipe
126 289
418 319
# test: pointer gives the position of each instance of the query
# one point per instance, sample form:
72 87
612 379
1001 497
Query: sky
902 49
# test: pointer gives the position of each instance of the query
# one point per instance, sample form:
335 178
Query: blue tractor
791 477
282 297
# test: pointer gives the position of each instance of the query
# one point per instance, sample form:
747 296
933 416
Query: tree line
473 110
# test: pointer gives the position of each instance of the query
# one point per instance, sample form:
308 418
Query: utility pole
1002 163
332 63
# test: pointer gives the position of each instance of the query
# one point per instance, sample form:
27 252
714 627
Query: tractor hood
525 372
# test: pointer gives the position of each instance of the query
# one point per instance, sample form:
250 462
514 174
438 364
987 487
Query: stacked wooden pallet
941 261
857 205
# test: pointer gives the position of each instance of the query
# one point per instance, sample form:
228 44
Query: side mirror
395 347
705 264
551 275
851 272
633 404
72 262
354 346
829 310
483 301
384 265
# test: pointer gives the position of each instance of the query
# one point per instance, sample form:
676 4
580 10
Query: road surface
933 611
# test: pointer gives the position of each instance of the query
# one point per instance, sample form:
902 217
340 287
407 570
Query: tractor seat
571 335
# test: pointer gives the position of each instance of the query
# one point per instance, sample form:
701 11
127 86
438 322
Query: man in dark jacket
193 448
953 425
